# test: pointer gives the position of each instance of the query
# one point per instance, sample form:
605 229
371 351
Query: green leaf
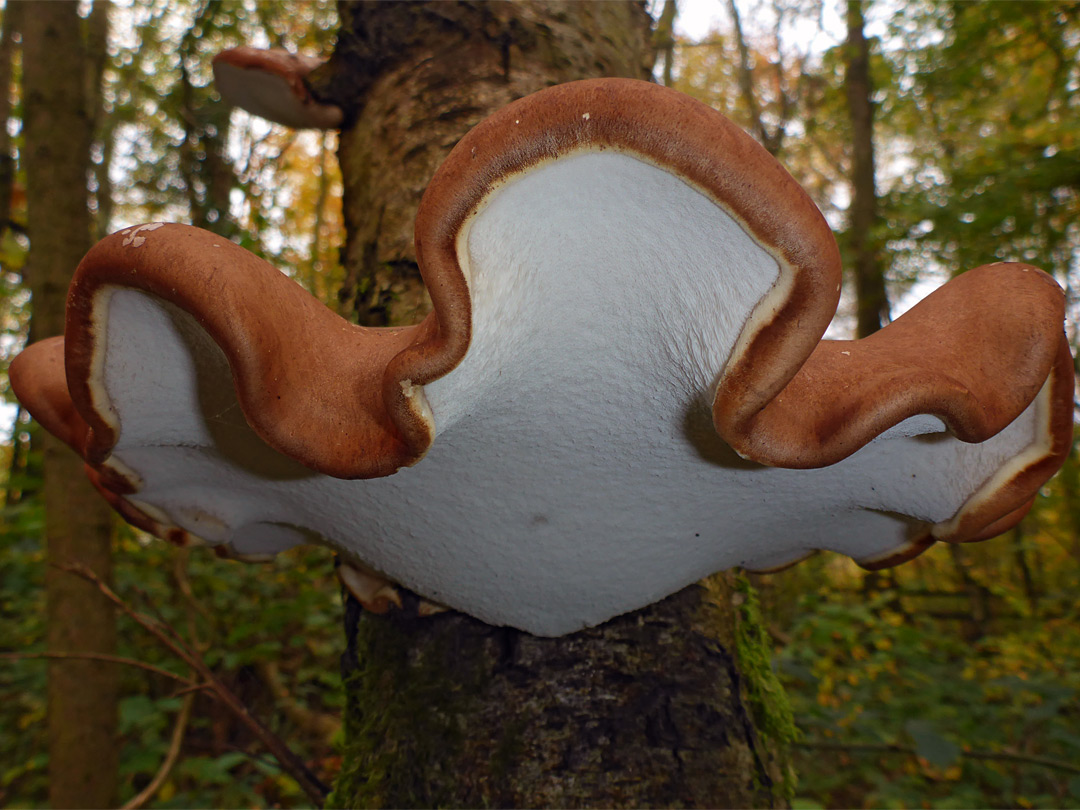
1042 712
1074 787
137 710
930 745
1067 737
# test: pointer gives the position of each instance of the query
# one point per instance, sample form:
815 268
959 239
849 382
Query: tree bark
413 79
646 710
82 695
643 711
872 303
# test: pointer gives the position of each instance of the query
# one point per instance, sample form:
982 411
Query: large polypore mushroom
621 389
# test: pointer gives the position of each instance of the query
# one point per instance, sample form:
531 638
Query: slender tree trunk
646 710
82 694
978 597
207 170
872 304
746 79
664 39
20 449
11 25
97 54
315 267
1031 590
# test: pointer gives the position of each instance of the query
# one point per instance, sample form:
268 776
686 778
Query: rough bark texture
413 78
644 711
872 304
81 694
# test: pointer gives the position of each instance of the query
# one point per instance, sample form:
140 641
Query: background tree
59 126
872 305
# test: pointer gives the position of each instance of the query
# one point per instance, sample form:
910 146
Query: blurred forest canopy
953 681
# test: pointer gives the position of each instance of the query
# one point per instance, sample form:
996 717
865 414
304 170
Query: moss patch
769 704
403 720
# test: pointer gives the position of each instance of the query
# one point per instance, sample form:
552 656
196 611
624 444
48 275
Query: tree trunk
646 710
82 695
664 40
643 711
204 161
11 24
413 79
97 55
872 304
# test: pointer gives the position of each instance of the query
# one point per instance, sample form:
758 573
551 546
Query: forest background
953 681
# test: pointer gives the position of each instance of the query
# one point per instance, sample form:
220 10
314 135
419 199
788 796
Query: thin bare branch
112 659
194 688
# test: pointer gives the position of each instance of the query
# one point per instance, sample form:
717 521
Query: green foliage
285 613
22 626
985 104
873 670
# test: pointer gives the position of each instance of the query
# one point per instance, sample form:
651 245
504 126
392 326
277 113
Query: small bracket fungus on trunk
270 84
622 387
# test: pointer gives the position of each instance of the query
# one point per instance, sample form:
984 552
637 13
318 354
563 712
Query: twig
199 687
171 757
183 583
114 659
290 762
155 612
152 626
324 725
907 750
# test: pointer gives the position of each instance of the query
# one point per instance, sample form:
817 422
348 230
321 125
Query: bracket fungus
270 83
622 388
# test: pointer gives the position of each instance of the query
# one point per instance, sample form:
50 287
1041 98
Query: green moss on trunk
769 704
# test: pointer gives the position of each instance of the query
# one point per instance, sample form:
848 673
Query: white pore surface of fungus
575 473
